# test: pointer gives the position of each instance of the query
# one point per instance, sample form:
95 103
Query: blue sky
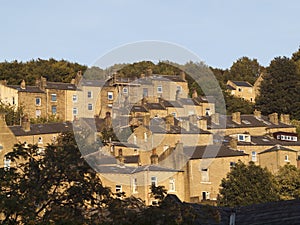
219 32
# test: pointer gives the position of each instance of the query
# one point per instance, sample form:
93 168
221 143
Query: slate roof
155 106
174 78
211 151
188 101
118 169
125 144
60 86
31 89
92 83
266 140
49 128
278 148
247 121
242 83
132 159
138 108
171 104
157 129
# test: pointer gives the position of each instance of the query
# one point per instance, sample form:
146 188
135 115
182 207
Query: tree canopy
246 185
280 89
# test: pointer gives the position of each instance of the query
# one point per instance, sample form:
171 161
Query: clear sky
219 32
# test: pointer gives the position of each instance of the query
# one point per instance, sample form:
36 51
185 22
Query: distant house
241 89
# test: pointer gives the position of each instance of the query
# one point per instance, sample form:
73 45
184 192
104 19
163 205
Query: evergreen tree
280 89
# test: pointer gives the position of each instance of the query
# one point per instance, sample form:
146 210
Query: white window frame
110 95
75 111
286 158
37 115
145 137
40 101
74 98
134 185
90 106
52 107
53 97
241 137
204 175
90 94
254 156
118 188
7 163
125 90
172 187
154 181
159 89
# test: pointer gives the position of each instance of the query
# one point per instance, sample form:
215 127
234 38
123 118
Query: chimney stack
149 72
193 119
23 85
25 123
170 119
108 120
195 94
182 75
233 143
236 117
185 124
120 156
2 120
285 118
154 157
202 124
142 76
257 113
215 118
146 120
273 118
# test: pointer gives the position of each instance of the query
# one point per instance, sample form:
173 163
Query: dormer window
241 137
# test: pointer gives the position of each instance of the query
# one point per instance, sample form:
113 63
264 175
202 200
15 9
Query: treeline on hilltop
280 88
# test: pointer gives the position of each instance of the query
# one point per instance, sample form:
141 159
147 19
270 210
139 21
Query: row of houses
175 141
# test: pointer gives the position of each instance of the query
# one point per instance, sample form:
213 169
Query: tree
288 179
280 89
58 186
245 69
246 185
12 113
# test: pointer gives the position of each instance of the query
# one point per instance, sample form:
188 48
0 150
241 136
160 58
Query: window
125 90
38 113
110 95
90 94
134 139
53 110
40 140
174 114
118 188
154 181
241 137
90 106
171 184
6 163
1 147
145 137
207 111
179 88
205 195
135 151
254 156
75 111
232 164
38 101
159 89
204 175
74 98
53 97
286 158
239 89
13 100
134 185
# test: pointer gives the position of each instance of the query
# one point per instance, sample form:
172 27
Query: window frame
118 188
159 89
74 98
90 107
54 107
110 95
53 97
154 181
40 101
89 94
172 184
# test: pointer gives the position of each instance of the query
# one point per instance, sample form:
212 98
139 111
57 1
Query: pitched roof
138 108
266 140
125 144
171 104
155 106
278 148
31 89
242 83
60 86
188 101
132 159
92 83
47 128
211 151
